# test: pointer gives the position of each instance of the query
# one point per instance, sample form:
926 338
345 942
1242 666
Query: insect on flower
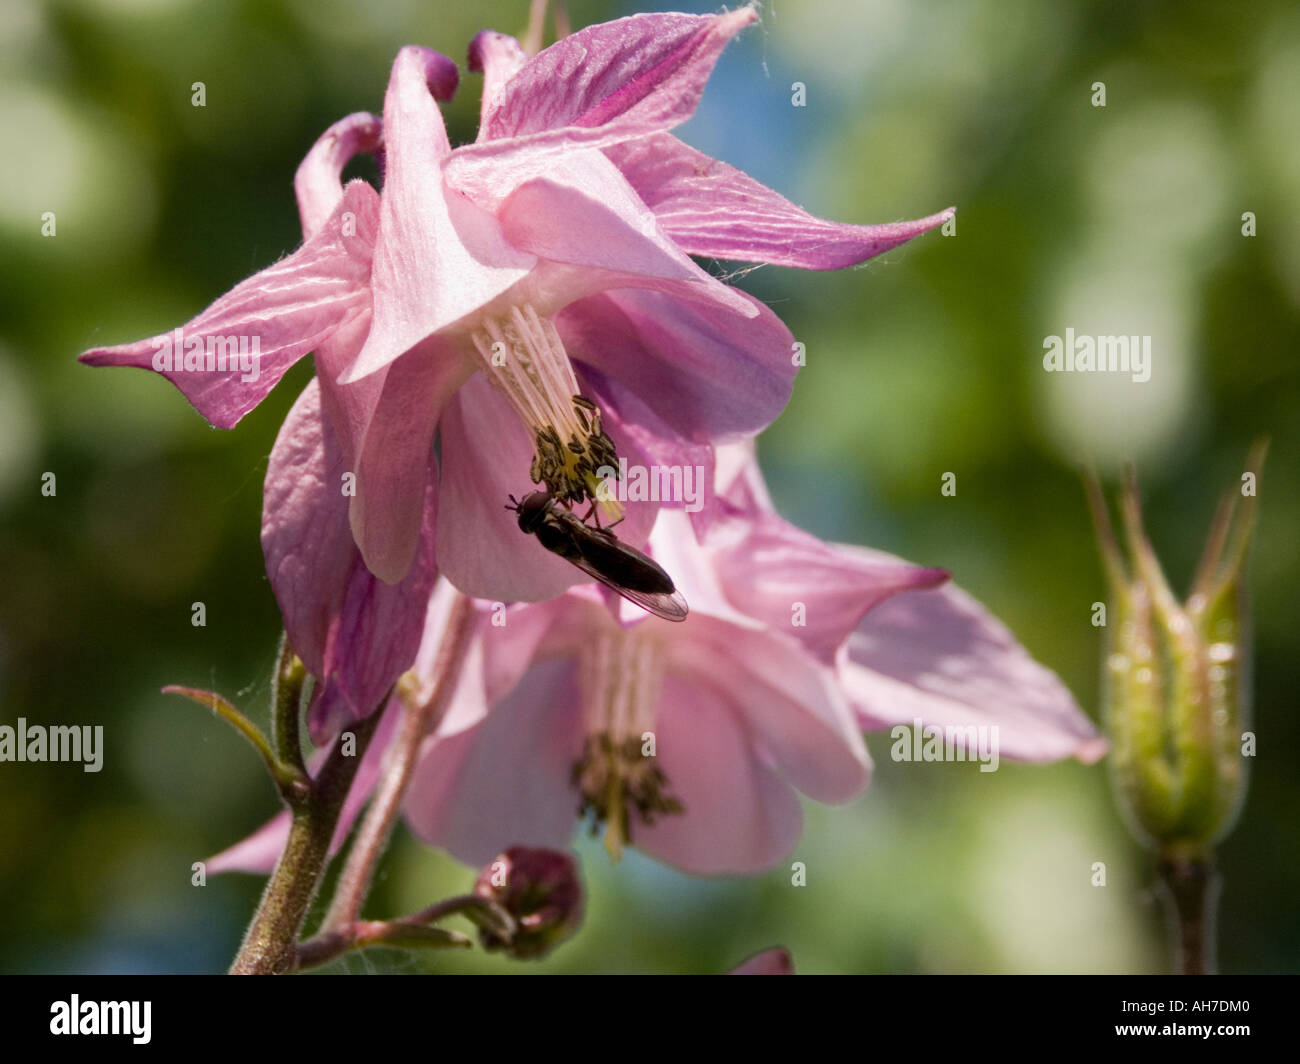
599 554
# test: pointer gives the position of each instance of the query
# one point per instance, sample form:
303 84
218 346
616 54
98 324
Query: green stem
269 945
399 766
414 931
289 778
1190 891
290 676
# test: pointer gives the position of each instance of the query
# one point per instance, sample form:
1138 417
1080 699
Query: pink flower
690 741
490 285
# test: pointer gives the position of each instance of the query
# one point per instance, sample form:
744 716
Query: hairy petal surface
716 211
287 309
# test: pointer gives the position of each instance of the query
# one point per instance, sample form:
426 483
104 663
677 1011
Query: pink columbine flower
792 647
690 741
490 285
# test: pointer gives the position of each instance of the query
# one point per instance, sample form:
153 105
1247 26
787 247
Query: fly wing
616 565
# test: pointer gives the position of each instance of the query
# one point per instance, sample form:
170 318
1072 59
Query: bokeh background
1125 219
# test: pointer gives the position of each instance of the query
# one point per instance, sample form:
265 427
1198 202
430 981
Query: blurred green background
1125 219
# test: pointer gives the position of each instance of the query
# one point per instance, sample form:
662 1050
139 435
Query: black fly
599 554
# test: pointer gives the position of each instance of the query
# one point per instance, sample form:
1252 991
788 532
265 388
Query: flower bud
1176 675
541 890
774 961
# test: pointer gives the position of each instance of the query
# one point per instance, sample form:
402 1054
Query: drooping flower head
692 741
530 296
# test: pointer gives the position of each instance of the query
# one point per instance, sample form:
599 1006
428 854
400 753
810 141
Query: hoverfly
599 554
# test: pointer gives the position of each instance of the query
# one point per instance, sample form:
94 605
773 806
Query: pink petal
486 453
256 853
285 310
716 211
653 447
775 961
645 72
739 479
711 376
941 657
318 183
582 213
504 781
396 456
790 704
349 407
739 818
345 625
808 589
674 545
498 57
438 258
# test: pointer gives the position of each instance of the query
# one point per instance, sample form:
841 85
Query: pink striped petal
285 310
940 657
438 257
716 211
647 70
347 626
809 589
711 376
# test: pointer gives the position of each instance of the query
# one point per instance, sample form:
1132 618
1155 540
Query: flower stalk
417 722
1177 701
269 946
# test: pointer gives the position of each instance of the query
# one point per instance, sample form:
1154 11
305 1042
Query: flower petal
437 257
498 57
318 183
582 213
774 961
347 626
504 781
396 460
810 589
716 211
941 657
672 471
739 818
639 74
711 376
791 704
486 453
280 314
